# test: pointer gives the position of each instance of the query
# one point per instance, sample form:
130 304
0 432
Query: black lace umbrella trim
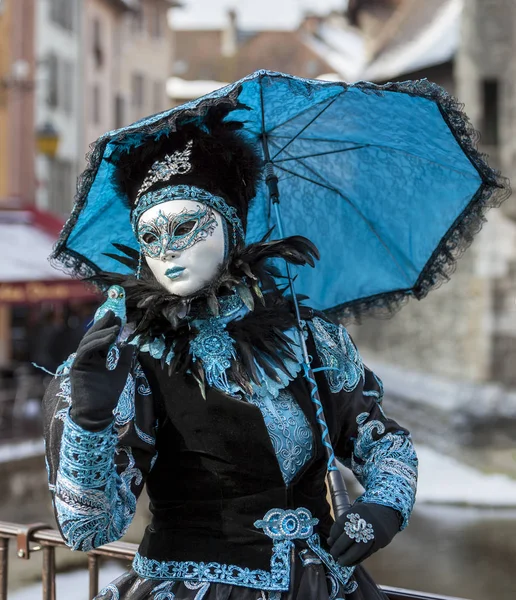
494 190
438 269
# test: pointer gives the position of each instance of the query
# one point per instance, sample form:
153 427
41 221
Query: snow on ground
19 450
73 585
444 480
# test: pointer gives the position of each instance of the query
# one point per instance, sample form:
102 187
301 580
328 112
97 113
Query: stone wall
445 334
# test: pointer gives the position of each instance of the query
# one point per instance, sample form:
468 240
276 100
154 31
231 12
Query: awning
26 240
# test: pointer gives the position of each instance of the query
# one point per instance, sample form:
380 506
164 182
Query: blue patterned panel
93 491
278 578
386 467
338 354
94 504
290 433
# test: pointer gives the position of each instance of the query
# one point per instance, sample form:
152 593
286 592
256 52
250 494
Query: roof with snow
198 56
427 34
417 35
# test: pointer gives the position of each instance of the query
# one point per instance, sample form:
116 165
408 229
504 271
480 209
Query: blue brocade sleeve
378 450
96 477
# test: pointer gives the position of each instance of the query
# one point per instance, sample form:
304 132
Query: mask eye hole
185 228
149 238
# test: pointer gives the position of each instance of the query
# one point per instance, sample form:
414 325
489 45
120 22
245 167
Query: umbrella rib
303 128
366 221
297 115
388 148
322 153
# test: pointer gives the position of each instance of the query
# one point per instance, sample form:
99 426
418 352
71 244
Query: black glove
361 531
95 390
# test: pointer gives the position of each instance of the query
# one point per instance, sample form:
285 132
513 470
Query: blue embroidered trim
289 431
290 524
386 467
215 348
124 411
337 353
283 527
278 578
343 574
189 192
94 504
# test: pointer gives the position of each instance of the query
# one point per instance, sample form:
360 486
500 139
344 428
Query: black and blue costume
214 416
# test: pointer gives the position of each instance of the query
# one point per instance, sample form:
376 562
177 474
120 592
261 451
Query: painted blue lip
174 272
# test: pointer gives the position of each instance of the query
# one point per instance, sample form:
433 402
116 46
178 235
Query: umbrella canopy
385 180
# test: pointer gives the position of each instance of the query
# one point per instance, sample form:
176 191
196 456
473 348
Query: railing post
93 568
4 557
48 573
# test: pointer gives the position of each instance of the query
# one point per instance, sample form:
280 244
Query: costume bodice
220 468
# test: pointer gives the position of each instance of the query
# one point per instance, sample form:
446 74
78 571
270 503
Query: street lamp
47 140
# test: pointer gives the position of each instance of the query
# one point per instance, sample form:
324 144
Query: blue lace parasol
385 180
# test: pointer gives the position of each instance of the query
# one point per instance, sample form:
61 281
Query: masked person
190 382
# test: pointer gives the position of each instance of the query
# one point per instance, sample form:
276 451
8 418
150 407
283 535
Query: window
119 112
158 94
53 85
97 47
155 21
96 115
60 83
137 91
138 21
66 86
62 12
490 116
61 186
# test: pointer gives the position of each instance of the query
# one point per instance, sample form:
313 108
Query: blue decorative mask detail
215 348
189 192
175 232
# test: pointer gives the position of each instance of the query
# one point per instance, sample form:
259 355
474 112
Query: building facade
127 55
465 330
59 100
17 82
101 65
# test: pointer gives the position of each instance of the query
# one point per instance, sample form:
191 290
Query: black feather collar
260 345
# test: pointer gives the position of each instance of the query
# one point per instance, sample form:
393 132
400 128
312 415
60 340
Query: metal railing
41 537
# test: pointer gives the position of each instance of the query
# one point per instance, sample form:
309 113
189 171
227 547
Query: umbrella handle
338 493
336 484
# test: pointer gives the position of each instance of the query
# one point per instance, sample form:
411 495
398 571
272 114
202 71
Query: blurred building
102 64
206 59
17 73
59 101
467 328
127 54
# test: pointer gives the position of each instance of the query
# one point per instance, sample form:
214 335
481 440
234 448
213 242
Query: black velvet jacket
212 471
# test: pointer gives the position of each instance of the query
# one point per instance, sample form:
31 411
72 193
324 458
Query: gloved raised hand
361 531
95 389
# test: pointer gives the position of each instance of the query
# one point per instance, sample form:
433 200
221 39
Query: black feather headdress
222 162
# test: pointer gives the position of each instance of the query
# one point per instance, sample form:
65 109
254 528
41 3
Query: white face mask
183 243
